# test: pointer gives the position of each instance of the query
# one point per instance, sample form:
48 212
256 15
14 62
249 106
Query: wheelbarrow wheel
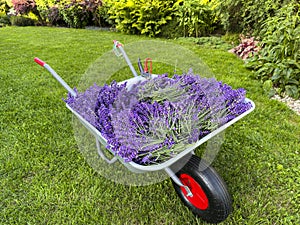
210 199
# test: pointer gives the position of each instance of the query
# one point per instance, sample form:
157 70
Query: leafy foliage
164 18
212 42
196 18
72 13
141 17
103 19
170 18
23 6
247 48
248 15
21 21
4 7
49 11
26 7
78 13
279 58
4 20
54 16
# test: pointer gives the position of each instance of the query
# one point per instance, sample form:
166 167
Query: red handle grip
117 44
40 62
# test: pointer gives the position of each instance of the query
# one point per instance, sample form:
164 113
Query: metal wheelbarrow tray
197 184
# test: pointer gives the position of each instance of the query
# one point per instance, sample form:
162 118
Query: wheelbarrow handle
39 61
56 76
119 46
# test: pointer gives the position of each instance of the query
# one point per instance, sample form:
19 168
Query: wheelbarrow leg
101 153
177 181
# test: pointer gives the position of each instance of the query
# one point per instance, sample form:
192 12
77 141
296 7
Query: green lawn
44 179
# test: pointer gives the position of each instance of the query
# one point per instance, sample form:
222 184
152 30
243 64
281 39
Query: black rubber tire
219 200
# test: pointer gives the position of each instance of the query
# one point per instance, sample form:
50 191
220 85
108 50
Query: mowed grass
44 179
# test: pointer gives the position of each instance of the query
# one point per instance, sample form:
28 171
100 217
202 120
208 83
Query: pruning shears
145 71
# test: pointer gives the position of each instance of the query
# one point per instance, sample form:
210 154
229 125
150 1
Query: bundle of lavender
156 119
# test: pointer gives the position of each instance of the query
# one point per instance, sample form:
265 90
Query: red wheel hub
199 198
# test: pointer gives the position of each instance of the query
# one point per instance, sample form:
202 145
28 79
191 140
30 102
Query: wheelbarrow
196 182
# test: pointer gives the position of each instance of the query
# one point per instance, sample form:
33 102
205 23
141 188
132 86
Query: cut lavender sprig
84 103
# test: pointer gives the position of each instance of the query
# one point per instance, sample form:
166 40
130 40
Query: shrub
166 18
4 20
122 13
93 8
247 48
21 21
171 30
279 58
247 16
54 17
104 19
24 7
4 7
47 10
79 13
72 13
196 18
141 16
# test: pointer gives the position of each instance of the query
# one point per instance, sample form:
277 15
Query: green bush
4 20
196 18
27 8
103 15
141 16
44 6
71 13
54 17
171 30
4 7
279 58
165 18
247 16
21 21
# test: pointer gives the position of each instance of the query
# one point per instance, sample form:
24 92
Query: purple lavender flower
157 119
70 98
84 103
105 98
